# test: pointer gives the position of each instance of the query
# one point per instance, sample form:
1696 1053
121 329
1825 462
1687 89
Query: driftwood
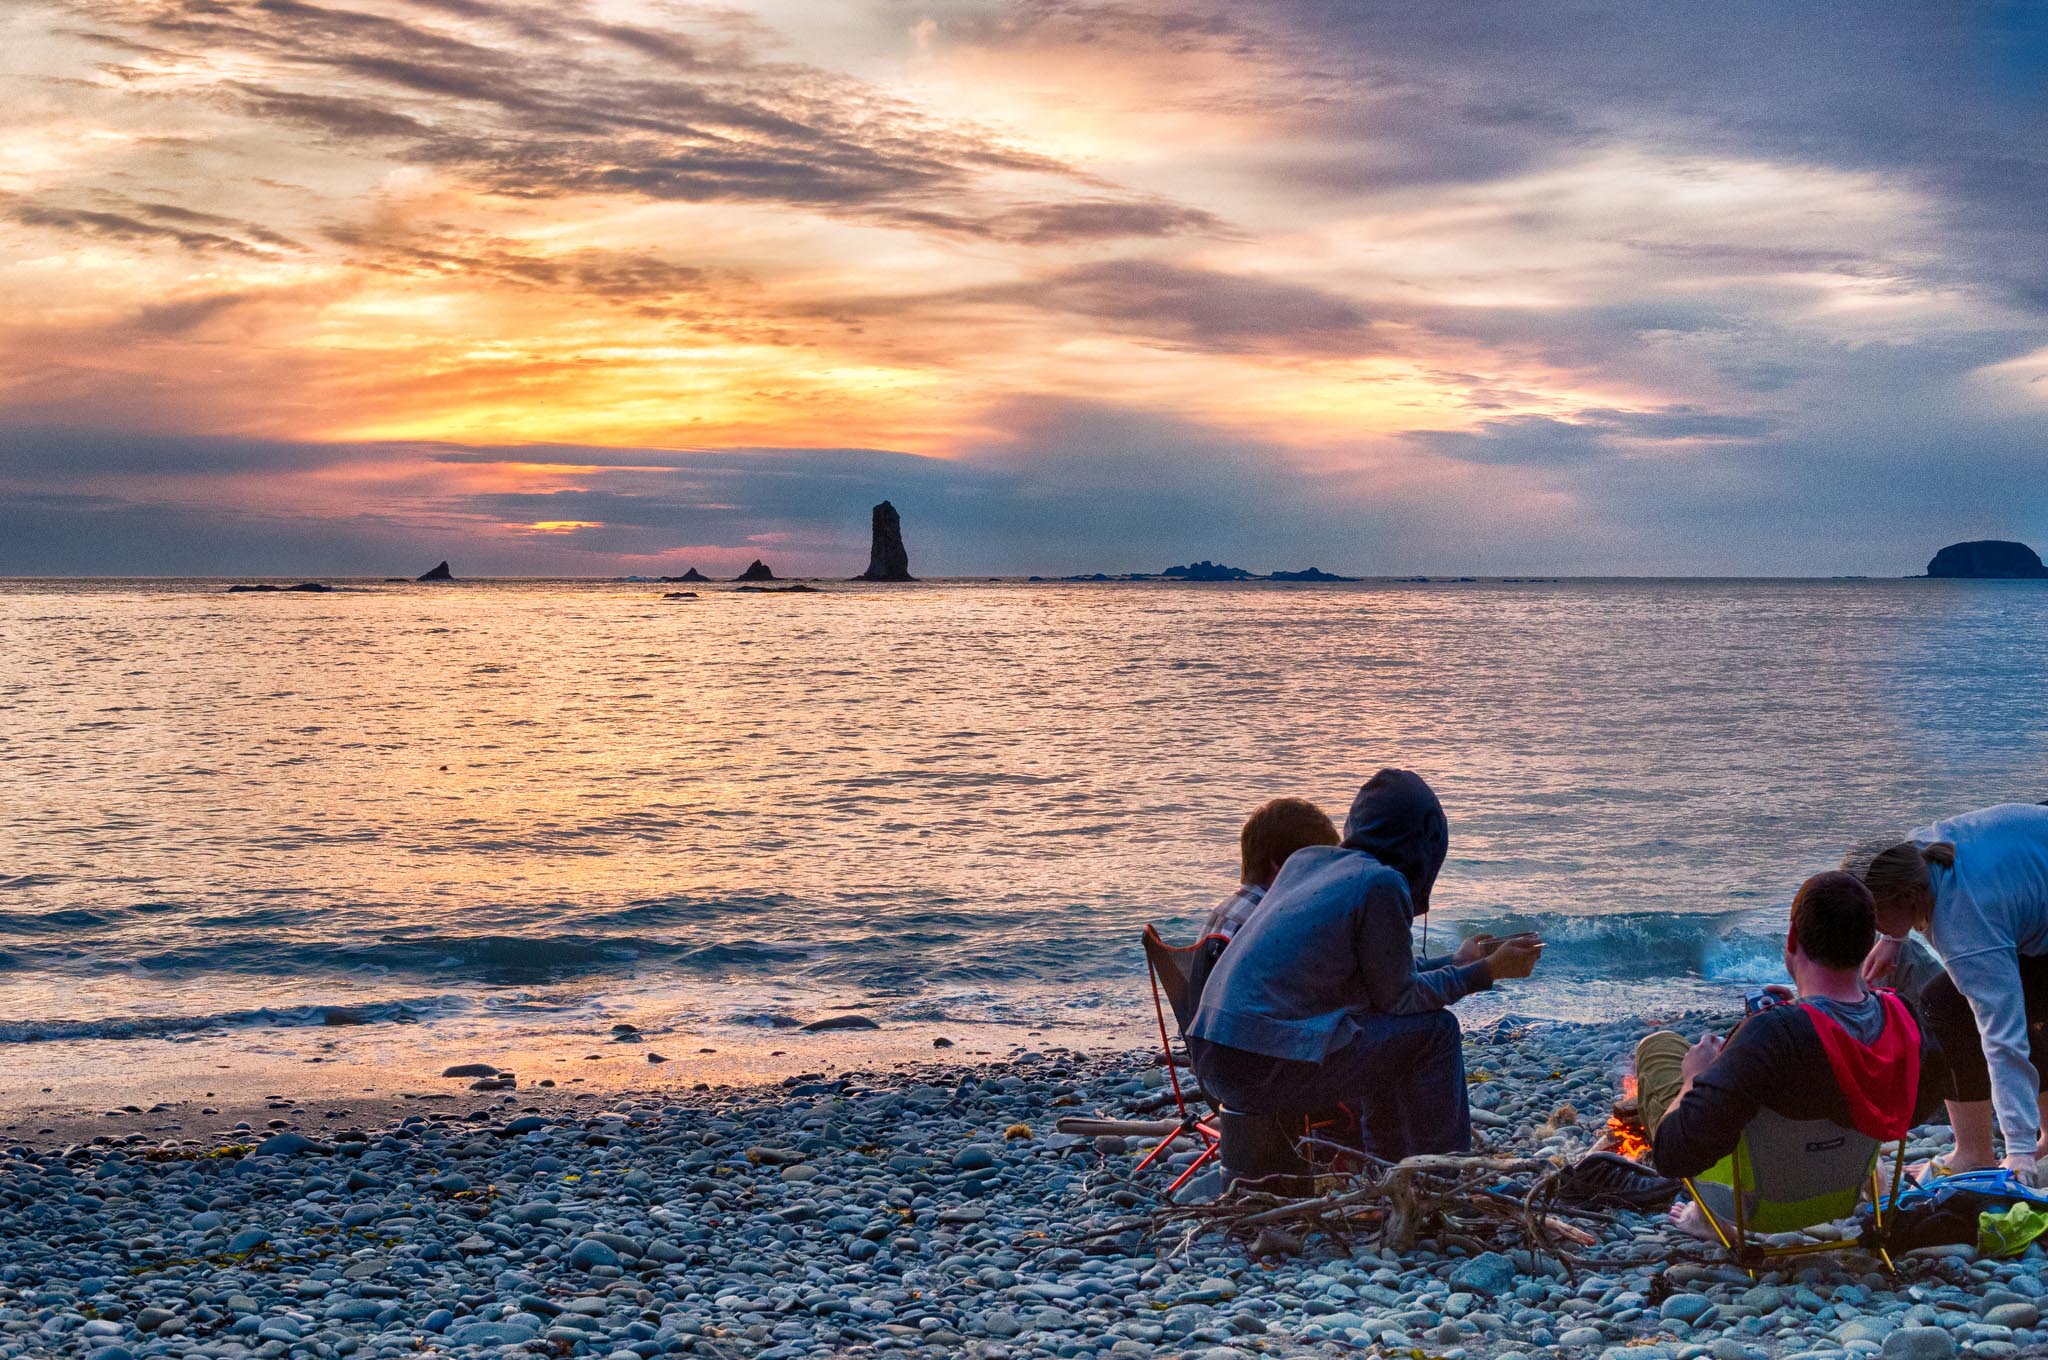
1457 1200
1091 1128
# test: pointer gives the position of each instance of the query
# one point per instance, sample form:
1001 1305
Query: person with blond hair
1976 886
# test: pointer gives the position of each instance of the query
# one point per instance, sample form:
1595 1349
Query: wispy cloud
1597 287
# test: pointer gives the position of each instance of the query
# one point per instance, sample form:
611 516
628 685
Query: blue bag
1945 1213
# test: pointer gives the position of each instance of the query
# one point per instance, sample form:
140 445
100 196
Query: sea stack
1988 559
440 573
887 558
757 572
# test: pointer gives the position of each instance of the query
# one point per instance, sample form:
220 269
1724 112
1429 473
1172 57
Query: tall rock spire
887 560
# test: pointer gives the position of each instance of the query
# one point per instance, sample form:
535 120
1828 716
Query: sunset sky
626 286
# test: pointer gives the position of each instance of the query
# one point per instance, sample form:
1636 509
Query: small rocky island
1988 559
888 560
758 571
440 573
1206 570
1308 574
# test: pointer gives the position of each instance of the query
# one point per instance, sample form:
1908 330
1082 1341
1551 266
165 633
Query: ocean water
543 805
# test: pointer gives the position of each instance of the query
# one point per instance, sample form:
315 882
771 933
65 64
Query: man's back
1778 1061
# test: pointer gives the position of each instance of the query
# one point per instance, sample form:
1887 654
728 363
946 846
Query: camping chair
1790 1174
1172 970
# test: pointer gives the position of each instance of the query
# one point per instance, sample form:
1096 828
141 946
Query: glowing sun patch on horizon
556 526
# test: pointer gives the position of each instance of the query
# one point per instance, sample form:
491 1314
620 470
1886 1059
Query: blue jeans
1404 1075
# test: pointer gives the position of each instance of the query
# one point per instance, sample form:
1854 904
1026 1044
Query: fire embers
1625 1132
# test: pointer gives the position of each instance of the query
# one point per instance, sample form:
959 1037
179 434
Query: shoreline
213 1081
927 1208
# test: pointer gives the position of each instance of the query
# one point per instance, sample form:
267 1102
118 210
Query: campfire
1625 1132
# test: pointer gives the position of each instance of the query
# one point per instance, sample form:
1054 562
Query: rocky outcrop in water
1206 571
1988 559
303 588
840 1022
757 572
440 573
691 575
1311 574
888 560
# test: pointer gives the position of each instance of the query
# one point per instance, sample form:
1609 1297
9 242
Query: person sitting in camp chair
1319 1001
1269 839
1838 1053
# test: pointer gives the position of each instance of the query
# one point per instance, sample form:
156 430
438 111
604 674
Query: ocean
503 815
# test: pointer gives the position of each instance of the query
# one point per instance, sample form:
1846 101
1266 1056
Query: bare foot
1691 1220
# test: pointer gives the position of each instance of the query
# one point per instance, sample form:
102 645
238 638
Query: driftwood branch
1091 1128
1451 1199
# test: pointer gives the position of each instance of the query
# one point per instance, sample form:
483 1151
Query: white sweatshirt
1988 910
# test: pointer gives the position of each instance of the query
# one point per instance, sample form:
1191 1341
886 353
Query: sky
607 287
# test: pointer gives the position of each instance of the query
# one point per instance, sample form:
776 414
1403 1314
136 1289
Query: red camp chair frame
1200 1127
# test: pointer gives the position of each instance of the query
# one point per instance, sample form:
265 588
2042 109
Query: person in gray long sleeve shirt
1976 886
1320 1001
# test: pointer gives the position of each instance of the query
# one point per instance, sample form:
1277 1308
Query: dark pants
1404 1075
1955 1028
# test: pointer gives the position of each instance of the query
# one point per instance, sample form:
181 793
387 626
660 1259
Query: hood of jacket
1397 819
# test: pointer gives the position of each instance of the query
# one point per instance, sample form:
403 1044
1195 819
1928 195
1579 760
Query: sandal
1933 1169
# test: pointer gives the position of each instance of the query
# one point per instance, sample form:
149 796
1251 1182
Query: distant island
1988 559
1206 570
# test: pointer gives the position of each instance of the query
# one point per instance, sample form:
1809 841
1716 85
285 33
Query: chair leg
1714 1222
1877 1204
1160 1149
1209 1154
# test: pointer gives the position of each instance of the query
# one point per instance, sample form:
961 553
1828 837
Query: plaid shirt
1229 918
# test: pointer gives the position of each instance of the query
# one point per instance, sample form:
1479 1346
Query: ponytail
1900 870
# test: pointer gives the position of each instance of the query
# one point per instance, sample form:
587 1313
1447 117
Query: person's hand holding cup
1475 949
1700 1057
1514 957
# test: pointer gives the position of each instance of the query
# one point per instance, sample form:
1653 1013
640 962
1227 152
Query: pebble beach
932 1212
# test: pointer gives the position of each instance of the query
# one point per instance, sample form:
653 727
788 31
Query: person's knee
1660 1041
1441 1034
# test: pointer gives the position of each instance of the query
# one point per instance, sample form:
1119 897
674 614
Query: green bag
2007 1232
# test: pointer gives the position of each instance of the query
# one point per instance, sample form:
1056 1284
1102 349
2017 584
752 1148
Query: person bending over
1977 887
1319 1000
1843 1053
1270 837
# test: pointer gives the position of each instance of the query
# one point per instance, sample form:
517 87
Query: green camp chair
1790 1174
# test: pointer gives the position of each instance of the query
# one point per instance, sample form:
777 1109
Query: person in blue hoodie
1320 1001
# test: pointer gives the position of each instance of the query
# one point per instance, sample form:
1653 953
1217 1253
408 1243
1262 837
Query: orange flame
1627 1137
1625 1131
